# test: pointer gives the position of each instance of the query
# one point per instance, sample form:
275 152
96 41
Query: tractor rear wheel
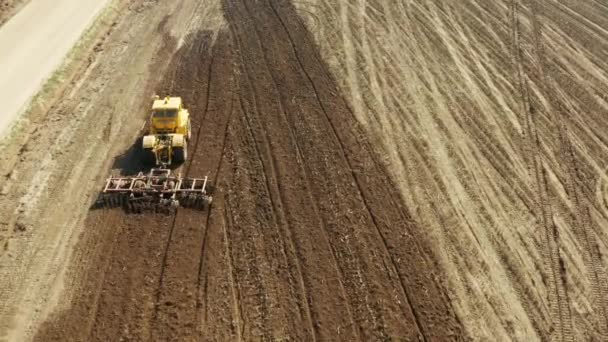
148 157
180 154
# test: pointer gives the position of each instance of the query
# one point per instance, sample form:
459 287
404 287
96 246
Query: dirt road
35 41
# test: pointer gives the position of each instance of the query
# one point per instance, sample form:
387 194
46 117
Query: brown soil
307 237
8 8
492 116
442 177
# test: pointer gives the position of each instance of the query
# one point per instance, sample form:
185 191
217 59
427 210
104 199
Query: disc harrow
158 191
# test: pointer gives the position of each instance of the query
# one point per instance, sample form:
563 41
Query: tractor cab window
165 113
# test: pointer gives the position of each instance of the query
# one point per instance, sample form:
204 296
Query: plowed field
307 237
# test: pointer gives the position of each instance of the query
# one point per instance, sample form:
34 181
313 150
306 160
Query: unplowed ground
307 238
492 115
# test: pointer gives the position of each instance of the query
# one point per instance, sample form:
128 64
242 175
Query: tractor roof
167 103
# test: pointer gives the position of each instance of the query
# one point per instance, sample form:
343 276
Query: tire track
208 216
95 311
250 284
233 285
532 148
352 174
278 199
558 297
312 201
581 218
269 170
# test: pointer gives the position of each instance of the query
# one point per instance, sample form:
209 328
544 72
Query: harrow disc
158 191
195 201
110 201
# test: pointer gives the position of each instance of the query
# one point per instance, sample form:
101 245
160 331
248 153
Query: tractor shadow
133 161
129 163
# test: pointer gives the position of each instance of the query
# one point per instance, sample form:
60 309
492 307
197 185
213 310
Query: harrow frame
159 189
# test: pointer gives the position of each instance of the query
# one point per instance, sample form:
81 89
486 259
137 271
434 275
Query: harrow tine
134 206
189 201
196 201
160 208
206 202
184 201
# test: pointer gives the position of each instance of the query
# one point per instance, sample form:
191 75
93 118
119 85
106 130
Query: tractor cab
167 140
167 116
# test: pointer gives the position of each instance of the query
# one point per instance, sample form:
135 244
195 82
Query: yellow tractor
170 131
160 189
